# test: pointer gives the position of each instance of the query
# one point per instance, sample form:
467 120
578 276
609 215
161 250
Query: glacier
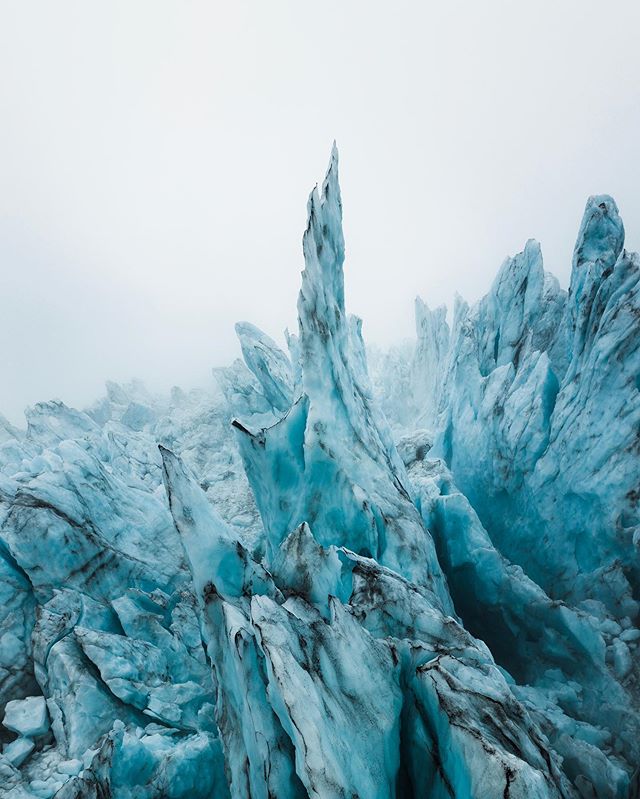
341 571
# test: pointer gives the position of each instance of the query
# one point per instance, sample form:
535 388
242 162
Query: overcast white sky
156 156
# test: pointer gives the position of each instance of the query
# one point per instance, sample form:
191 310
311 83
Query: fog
156 157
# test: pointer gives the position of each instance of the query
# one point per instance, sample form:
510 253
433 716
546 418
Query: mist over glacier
151 197
340 573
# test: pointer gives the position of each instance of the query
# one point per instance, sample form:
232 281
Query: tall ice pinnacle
331 461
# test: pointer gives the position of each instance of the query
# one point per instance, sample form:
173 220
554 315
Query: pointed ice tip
171 463
601 234
334 158
330 185
460 305
170 467
604 202
166 453
313 202
247 329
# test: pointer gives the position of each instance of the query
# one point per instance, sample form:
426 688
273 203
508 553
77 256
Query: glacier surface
340 572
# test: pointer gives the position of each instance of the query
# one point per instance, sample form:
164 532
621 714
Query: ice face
539 415
400 574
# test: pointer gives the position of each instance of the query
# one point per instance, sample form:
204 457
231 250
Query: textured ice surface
410 573
27 716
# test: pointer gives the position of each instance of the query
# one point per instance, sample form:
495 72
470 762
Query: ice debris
27 716
401 574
